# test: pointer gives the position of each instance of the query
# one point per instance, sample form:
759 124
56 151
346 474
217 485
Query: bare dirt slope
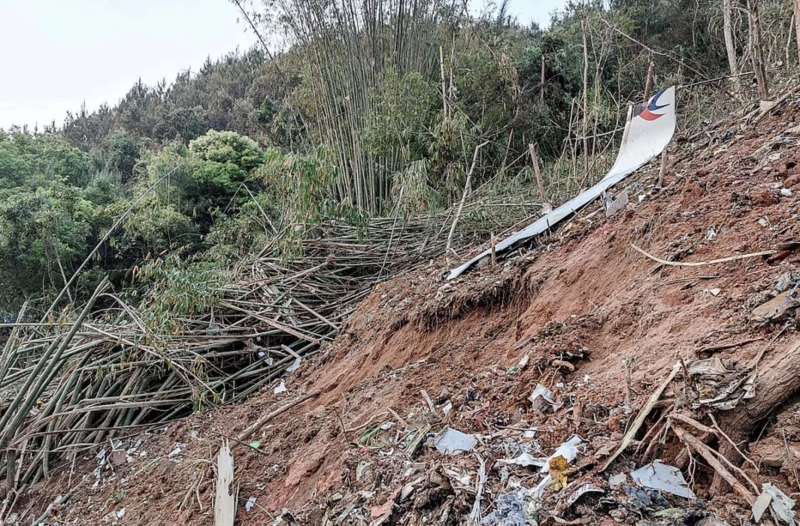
576 314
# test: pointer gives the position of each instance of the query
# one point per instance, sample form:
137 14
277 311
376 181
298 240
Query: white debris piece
250 504
175 454
663 477
785 192
780 505
280 389
525 460
543 399
568 450
530 433
617 480
447 407
295 365
454 442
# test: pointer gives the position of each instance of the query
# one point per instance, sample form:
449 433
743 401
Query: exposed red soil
584 296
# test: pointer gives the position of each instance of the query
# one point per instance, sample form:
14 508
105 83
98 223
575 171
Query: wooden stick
702 263
703 450
258 424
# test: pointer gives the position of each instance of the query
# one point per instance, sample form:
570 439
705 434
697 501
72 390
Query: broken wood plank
224 500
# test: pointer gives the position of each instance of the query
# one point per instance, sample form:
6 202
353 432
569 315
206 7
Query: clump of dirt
583 315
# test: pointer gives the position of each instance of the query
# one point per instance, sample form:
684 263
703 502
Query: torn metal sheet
779 504
648 131
454 442
718 386
583 490
663 477
511 509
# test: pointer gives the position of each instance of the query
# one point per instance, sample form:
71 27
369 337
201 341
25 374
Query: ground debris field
585 335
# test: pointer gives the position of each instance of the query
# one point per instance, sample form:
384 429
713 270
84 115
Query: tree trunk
730 46
542 81
585 100
649 80
776 384
757 51
797 27
537 171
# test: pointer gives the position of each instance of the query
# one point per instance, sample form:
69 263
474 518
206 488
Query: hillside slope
575 314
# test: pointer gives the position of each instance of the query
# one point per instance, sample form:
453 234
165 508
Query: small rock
764 197
792 181
118 457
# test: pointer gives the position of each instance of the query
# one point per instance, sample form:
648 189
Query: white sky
58 54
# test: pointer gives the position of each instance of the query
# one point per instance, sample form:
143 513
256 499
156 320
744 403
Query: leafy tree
43 231
228 147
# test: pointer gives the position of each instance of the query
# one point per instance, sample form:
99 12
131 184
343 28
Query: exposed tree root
776 383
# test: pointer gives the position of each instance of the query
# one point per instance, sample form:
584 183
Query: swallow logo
648 113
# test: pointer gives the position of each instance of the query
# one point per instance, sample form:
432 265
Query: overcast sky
58 54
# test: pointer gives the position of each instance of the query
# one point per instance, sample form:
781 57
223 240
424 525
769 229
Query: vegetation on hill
371 110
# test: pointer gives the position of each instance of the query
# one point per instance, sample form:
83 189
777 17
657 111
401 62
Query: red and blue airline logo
648 112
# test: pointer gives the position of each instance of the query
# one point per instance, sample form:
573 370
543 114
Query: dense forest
370 109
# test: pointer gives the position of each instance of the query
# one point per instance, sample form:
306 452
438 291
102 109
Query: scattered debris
720 387
176 455
583 489
511 509
280 388
525 460
663 477
250 504
454 442
543 399
780 505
